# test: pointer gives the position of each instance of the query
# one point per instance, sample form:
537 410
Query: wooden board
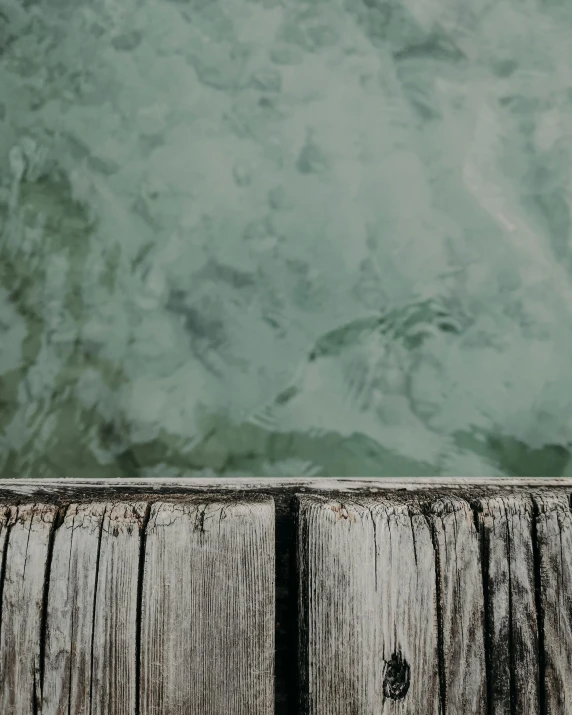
27 555
115 634
71 600
461 607
207 633
91 634
554 530
368 643
77 607
506 525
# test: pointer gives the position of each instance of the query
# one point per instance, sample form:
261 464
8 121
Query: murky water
328 237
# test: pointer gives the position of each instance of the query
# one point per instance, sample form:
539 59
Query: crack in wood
44 616
7 520
140 576
440 626
484 551
539 611
94 611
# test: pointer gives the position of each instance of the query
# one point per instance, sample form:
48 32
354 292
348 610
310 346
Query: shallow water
285 238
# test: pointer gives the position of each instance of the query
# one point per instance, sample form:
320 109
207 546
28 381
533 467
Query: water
328 237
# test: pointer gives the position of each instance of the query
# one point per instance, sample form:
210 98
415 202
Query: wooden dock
318 597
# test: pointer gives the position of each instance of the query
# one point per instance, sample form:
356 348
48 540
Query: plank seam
96 581
11 520
440 625
303 600
374 524
542 701
511 646
286 670
72 629
484 549
139 608
38 697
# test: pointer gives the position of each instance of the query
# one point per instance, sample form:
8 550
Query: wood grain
207 627
367 584
114 684
91 634
27 555
506 525
71 599
554 530
373 555
461 606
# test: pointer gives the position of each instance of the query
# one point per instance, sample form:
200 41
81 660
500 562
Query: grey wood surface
69 623
554 530
26 557
507 526
114 687
91 627
462 612
367 594
207 632
390 596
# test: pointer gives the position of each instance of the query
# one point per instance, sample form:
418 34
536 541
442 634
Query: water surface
328 237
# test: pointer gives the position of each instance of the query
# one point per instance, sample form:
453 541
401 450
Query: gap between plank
484 550
99 540
58 519
9 525
139 608
440 626
539 610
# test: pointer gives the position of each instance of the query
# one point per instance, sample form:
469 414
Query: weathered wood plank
114 689
207 633
71 596
22 608
94 666
462 607
554 531
91 634
508 562
367 594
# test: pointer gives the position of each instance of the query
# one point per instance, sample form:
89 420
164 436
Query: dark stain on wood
396 677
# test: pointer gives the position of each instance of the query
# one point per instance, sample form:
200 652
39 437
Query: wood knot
396 677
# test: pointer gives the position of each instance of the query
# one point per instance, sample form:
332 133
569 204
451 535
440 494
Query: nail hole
396 677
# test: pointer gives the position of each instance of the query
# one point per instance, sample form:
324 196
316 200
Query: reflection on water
263 237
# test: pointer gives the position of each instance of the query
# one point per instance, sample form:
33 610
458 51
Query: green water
328 237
